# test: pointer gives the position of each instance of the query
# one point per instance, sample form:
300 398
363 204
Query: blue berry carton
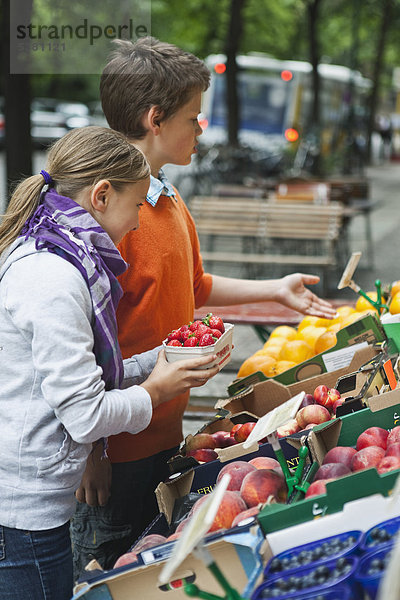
317 579
316 552
339 592
380 535
371 569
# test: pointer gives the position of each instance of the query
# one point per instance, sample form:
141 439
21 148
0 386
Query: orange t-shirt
162 287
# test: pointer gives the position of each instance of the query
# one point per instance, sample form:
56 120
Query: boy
151 92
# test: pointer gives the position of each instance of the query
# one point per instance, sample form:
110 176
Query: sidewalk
385 223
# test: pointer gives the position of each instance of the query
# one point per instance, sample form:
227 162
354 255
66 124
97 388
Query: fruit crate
222 348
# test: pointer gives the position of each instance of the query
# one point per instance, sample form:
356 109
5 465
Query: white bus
275 99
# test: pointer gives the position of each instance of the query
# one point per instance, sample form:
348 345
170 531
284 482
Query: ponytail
23 203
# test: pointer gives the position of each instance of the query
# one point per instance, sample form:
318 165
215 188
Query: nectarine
367 457
331 471
238 470
314 413
261 485
388 463
340 454
373 436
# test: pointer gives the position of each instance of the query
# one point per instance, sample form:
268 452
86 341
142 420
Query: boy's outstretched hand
293 294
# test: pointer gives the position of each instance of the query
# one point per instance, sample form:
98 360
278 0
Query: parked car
51 119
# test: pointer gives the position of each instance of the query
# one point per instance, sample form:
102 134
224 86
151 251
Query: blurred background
302 92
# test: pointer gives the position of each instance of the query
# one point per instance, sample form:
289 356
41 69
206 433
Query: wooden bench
255 232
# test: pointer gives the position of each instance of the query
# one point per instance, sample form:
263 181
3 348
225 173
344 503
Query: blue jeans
106 532
35 565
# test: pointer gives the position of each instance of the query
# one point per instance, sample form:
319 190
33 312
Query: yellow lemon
284 331
296 351
395 304
310 334
306 321
325 341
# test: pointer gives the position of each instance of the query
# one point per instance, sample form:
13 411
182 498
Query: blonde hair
145 74
78 160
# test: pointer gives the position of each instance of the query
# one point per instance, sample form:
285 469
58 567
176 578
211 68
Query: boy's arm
289 291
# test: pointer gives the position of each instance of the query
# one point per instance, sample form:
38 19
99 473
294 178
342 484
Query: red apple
203 455
317 488
394 435
321 394
367 457
373 436
389 463
235 429
200 440
246 514
238 470
288 428
340 454
223 439
312 414
393 449
244 431
262 485
148 541
231 505
126 559
331 471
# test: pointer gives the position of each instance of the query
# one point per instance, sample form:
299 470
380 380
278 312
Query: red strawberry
191 341
206 340
174 335
216 333
193 326
174 343
214 322
202 330
186 334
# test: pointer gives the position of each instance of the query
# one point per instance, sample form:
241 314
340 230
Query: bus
275 99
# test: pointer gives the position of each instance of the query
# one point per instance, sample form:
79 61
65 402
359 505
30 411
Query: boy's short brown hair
145 74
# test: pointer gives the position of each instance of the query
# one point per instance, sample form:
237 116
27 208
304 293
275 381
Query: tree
17 107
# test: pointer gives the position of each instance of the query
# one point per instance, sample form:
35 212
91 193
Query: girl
63 384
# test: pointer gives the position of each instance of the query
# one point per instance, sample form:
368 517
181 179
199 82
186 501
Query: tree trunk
18 144
314 120
232 47
379 54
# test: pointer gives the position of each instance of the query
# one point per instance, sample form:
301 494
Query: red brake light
292 135
220 68
286 75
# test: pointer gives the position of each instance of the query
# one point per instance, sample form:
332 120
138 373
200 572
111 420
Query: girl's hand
168 380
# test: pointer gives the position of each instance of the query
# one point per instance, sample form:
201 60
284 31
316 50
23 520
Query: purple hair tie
47 178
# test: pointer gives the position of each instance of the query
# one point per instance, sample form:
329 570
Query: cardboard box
260 398
368 330
236 560
383 411
222 348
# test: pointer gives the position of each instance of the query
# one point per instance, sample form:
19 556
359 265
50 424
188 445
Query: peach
203 455
244 431
367 457
173 536
126 559
200 440
331 471
389 463
393 449
373 436
181 526
340 454
244 515
262 484
288 428
317 488
148 541
238 471
264 462
223 439
394 435
314 413
231 505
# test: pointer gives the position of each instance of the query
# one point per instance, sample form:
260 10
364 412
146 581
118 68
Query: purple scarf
62 226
